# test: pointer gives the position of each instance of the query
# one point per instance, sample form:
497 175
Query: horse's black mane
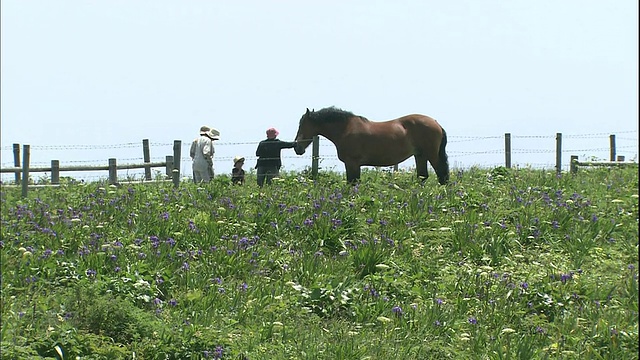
332 114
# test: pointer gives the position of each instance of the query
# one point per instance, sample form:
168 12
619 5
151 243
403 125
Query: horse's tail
443 161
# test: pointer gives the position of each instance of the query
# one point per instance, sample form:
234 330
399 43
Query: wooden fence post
176 177
574 164
612 148
16 161
55 172
177 153
113 172
26 153
315 156
147 158
507 150
558 153
169 166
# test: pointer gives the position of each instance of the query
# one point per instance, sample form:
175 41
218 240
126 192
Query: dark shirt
268 152
237 176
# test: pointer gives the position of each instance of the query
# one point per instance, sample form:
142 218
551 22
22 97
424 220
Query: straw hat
238 158
204 129
214 134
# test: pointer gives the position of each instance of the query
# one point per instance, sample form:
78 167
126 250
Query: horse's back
419 120
412 125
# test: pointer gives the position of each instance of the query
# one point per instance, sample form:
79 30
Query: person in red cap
268 153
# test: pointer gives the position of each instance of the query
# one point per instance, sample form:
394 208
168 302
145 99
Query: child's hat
238 158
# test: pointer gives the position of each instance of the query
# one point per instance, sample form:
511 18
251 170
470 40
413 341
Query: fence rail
575 164
172 167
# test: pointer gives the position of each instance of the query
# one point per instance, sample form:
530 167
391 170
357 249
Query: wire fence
536 151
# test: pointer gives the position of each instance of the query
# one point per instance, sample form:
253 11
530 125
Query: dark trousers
267 173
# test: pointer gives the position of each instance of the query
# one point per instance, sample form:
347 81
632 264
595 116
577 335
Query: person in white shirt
201 152
192 150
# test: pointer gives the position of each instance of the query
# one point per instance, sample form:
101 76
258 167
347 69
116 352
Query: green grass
500 264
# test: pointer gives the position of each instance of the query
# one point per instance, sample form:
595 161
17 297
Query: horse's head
305 134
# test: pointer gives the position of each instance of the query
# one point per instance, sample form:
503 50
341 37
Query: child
237 173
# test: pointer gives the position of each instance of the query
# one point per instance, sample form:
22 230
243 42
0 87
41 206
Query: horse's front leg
353 173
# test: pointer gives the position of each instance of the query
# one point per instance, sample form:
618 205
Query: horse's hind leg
421 167
441 167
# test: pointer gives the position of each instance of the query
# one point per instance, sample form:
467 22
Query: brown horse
362 142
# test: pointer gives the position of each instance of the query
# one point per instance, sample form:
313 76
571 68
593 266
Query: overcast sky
115 72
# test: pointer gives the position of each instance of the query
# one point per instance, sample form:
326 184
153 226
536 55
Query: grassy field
500 264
